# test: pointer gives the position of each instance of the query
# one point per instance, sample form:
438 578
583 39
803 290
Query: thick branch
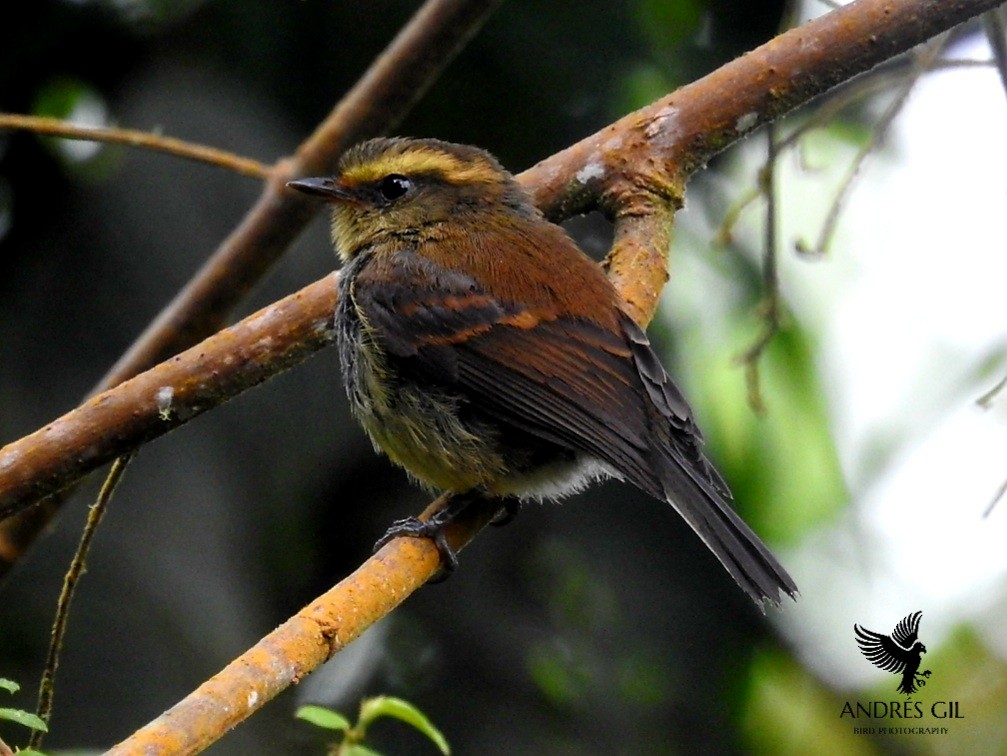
659 146
638 165
123 418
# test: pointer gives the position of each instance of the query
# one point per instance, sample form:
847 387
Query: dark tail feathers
738 548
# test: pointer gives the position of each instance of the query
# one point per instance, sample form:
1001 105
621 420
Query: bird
900 653
486 354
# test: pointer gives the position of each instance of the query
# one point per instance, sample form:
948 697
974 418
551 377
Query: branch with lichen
635 170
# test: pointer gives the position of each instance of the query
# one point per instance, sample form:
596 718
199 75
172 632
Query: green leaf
357 750
9 685
389 706
23 718
320 716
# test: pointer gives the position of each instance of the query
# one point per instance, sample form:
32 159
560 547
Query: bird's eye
394 186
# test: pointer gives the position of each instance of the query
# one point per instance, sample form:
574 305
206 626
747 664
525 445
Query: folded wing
571 382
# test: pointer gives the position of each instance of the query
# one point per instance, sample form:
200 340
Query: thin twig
996 499
769 307
950 63
998 43
986 399
146 140
725 233
923 62
46 688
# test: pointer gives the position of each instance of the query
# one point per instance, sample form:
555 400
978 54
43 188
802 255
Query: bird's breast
419 427
434 430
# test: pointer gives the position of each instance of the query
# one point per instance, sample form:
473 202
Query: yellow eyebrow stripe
419 161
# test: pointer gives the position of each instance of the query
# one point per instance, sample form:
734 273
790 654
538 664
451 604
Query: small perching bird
484 352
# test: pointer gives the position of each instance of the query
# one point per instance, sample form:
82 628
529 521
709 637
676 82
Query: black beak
326 188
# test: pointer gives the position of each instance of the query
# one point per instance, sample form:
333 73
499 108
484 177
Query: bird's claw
509 509
433 528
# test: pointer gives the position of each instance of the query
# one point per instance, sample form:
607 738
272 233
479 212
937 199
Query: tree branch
58 128
654 150
149 405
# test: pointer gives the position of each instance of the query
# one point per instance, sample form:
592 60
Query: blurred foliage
782 465
371 710
792 712
20 716
966 671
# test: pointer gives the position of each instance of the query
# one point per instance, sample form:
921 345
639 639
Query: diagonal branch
149 405
655 149
308 639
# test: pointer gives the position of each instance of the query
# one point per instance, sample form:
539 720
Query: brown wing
562 380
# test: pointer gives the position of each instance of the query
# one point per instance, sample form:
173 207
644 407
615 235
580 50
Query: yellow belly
421 432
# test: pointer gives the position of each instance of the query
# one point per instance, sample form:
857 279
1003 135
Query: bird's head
396 187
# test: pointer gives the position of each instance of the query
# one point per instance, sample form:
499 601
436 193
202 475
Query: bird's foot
509 509
414 527
434 528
